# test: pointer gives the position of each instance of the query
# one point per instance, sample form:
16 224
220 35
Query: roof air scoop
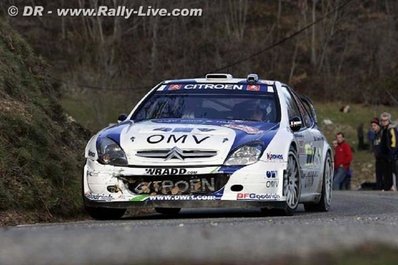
217 76
252 78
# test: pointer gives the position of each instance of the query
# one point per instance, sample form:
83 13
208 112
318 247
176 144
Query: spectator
371 136
346 185
388 145
375 125
360 135
342 161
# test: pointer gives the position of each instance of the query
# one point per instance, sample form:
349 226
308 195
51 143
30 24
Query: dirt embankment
41 148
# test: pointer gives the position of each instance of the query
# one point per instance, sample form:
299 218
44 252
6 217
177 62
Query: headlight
110 153
246 155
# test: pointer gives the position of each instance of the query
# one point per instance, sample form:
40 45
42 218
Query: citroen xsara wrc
208 142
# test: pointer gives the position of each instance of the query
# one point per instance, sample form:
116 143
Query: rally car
207 142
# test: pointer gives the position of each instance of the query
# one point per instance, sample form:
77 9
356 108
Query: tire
105 213
292 184
168 211
327 186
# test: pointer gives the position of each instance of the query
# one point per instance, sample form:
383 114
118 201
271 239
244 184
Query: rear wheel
105 213
291 183
168 211
327 185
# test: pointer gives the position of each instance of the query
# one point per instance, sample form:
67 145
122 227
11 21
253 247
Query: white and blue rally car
217 141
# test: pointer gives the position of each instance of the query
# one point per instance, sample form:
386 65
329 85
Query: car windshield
248 107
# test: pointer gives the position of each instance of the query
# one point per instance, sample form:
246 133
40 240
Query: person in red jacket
342 161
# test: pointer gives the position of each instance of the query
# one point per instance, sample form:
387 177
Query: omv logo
271 174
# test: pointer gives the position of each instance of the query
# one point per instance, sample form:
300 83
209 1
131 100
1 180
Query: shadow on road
210 213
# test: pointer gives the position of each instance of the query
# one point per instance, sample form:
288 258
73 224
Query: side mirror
295 124
122 117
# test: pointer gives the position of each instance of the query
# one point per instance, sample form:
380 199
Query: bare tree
236 18
313 36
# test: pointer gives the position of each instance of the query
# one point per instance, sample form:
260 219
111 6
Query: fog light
113 189
236 187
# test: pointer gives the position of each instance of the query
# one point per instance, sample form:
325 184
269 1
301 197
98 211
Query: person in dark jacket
342 161
376 148
389 150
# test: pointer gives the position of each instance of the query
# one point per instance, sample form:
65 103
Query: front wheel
291 183
105 213
327 186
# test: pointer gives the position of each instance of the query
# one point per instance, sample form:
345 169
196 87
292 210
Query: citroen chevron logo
175 152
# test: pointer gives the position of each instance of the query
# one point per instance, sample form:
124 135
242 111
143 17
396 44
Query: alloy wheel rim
328 181
292 185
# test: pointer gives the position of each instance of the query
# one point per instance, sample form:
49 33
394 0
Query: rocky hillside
41 148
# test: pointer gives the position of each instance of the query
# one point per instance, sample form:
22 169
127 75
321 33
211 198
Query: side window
292 109
308 121
310 108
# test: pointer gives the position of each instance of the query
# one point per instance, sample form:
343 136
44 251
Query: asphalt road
232 236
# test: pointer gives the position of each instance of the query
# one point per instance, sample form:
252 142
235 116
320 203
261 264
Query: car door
304 138
313 146
319 139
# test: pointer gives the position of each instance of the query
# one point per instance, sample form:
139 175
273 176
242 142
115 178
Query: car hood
176 142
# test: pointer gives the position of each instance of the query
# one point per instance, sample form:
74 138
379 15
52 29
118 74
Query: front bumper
260 185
